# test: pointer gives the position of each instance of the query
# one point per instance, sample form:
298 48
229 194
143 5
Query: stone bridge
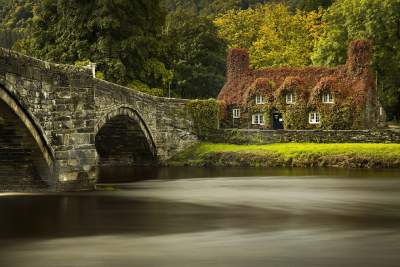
58 123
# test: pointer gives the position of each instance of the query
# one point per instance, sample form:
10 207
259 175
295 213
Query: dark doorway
277 120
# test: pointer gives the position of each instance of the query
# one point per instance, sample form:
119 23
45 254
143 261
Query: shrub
205 114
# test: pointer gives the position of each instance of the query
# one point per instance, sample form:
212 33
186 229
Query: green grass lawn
293 154
296 149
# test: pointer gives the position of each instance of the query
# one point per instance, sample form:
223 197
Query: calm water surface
209 217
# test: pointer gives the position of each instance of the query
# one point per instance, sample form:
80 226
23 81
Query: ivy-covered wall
355 102
206 116
336 116
340 115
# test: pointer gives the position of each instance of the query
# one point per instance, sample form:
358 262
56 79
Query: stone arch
29 122
135 118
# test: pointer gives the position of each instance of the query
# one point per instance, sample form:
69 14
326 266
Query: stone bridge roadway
57 124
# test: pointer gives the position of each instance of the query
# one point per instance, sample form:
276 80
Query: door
277 120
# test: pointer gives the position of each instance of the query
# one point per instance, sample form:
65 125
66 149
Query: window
259 99
258 119
290 99
236 113
327 98
314 118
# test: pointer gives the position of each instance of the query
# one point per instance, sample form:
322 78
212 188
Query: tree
15 16
309 5
210 7
273 35
196 55
240 28
377 20
120 36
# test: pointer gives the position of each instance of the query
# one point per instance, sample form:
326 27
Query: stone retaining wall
244 136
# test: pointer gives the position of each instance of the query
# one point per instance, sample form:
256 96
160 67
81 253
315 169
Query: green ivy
265 109
296 117
205 114
336 118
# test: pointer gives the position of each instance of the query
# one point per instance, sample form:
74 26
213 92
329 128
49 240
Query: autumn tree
375 20
273 34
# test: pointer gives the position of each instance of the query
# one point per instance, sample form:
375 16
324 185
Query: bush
144 88
205 114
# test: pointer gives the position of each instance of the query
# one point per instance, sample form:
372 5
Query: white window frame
290 98
257 119
236 113
327 98
314 118
259 100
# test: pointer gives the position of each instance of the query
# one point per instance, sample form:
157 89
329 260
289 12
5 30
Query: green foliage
196 55
308 5
205 114
17 14
264 109
100 75
337 117
82 63
240 28
142 87
368 19
15 17
295 149
295 117
120 36
216 7
272 34
210 7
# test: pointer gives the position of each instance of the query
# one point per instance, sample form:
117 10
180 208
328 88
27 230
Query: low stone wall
248 136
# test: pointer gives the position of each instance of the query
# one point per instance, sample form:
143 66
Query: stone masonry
256 136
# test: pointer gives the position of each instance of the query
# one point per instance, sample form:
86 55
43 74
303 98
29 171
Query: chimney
359 56
238 63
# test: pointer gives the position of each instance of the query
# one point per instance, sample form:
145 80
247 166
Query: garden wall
250 136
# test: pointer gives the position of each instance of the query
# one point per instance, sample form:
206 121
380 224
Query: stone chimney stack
238 63
359 56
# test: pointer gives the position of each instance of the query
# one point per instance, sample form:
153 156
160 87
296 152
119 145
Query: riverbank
350 155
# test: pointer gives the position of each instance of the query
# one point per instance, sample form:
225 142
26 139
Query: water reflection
109 174
245 217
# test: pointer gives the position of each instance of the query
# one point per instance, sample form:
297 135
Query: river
209 217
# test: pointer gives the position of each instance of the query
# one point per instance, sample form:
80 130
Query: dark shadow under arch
123 139
25 155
